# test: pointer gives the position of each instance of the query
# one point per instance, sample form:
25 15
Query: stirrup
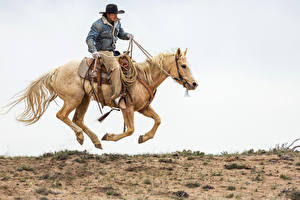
119 102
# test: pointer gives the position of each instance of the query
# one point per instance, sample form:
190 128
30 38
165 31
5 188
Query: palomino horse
66 83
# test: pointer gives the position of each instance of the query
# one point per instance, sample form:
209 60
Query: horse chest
140 96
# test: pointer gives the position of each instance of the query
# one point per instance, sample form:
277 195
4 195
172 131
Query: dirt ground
181 175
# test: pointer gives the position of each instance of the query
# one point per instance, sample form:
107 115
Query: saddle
94 70
89 67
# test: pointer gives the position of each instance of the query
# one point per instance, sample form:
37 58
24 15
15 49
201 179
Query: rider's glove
96 55
130 36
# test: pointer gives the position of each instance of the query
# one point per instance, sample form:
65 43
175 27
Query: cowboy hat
112 8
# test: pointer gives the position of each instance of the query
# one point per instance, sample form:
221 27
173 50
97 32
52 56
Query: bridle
180 77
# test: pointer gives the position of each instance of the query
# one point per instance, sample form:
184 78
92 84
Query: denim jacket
103 35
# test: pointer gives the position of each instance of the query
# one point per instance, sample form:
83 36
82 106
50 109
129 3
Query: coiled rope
129 75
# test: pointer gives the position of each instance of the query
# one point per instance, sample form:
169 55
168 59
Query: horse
65 83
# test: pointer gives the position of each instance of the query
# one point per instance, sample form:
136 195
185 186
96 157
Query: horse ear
178 52
185 52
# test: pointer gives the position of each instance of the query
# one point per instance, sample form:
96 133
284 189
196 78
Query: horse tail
37 97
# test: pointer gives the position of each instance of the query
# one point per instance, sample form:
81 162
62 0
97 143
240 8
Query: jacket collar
105 21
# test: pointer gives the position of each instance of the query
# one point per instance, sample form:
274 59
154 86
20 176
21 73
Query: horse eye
183 66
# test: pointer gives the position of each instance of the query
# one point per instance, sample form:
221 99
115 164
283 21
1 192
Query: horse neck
158 75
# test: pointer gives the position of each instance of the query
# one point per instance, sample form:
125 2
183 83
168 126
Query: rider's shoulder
98 24
99 21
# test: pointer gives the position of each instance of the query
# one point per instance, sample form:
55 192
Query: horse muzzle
191 86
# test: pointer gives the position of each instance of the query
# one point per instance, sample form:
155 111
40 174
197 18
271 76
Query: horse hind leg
78 120
149 112
63 114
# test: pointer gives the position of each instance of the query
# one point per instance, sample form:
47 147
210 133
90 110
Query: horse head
181 73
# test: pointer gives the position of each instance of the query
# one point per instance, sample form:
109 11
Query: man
101 42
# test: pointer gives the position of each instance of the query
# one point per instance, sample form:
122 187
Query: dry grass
73 175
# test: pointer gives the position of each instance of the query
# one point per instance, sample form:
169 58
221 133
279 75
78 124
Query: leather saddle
97 70
89 69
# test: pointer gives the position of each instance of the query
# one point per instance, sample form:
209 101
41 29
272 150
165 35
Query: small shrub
231 188
4 178
291 193
285 177
114 157
294 195
229 196
192 185
62 155
100 159
4 187
167 168
236 166
110 191
79 160
25 168
181 193
62 165
165 160
42 191
147 182
298 164
45 176
103 172
190 158
57 185
208 187
258 178
216 174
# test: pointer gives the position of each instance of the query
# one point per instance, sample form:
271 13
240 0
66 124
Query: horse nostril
195 84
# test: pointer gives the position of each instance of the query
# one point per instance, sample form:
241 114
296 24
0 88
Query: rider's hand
130 36
96 55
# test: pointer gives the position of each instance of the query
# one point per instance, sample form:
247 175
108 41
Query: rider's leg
112 65
116 82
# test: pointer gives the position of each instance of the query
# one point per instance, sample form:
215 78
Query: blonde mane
144 68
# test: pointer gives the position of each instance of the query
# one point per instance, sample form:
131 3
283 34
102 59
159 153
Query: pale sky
243 53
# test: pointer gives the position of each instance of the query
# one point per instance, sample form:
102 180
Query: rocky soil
181 175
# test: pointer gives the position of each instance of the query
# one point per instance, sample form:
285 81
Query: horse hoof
80 141
141 139
105 137
99 146
80 138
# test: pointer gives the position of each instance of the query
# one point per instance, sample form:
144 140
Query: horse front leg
149 112
128 115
